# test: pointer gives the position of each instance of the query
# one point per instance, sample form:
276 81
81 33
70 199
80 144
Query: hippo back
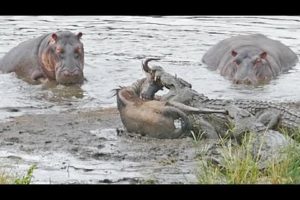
24 54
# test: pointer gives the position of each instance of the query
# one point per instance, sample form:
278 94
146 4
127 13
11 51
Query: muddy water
114 48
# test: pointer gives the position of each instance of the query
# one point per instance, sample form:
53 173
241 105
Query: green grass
7 178
238 166
26 179
149 181
295 134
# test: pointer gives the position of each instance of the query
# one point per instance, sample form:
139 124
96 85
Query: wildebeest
141 113
150 117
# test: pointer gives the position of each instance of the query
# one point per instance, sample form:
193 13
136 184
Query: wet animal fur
150 117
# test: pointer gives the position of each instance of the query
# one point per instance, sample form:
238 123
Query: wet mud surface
91 147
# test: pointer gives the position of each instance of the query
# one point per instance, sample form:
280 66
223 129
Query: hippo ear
79 35
263 55
54 37
233 53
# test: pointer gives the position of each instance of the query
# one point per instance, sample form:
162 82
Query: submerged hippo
250 59
55 56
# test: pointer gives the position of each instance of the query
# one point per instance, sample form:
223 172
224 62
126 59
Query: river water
116 45
85 148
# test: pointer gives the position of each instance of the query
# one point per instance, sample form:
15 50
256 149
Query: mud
91 146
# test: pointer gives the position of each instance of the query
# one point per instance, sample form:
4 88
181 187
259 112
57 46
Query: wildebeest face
152 84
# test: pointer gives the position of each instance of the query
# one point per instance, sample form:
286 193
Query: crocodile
257 119
261 119
141 113
274 116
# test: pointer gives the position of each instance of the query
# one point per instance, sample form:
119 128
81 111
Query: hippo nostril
247 81
236 81
76 72
67 73
71 73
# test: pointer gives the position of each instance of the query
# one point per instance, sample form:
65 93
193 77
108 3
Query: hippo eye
238 62
76 55
60 51
77 52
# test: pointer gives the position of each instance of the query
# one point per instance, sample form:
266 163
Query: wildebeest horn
189 109
145 64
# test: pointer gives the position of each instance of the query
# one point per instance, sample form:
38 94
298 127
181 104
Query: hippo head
249 66
63 58
152 83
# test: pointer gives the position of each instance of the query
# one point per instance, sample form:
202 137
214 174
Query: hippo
55 56
250 59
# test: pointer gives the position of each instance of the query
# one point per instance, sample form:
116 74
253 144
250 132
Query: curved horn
145 64
189 109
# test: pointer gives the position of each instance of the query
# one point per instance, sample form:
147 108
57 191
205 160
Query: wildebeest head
152 117
63 58
249 66
155 118
152 84
157 79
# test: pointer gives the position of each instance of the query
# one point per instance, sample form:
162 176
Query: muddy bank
84 147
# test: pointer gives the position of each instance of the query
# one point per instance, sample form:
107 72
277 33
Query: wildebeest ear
263 55
79 35
233 53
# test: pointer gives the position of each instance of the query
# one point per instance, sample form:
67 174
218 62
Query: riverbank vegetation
239 166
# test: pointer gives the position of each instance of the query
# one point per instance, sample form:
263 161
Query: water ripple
116 45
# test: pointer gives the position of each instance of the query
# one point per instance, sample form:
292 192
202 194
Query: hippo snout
247 81
69 76
76 72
